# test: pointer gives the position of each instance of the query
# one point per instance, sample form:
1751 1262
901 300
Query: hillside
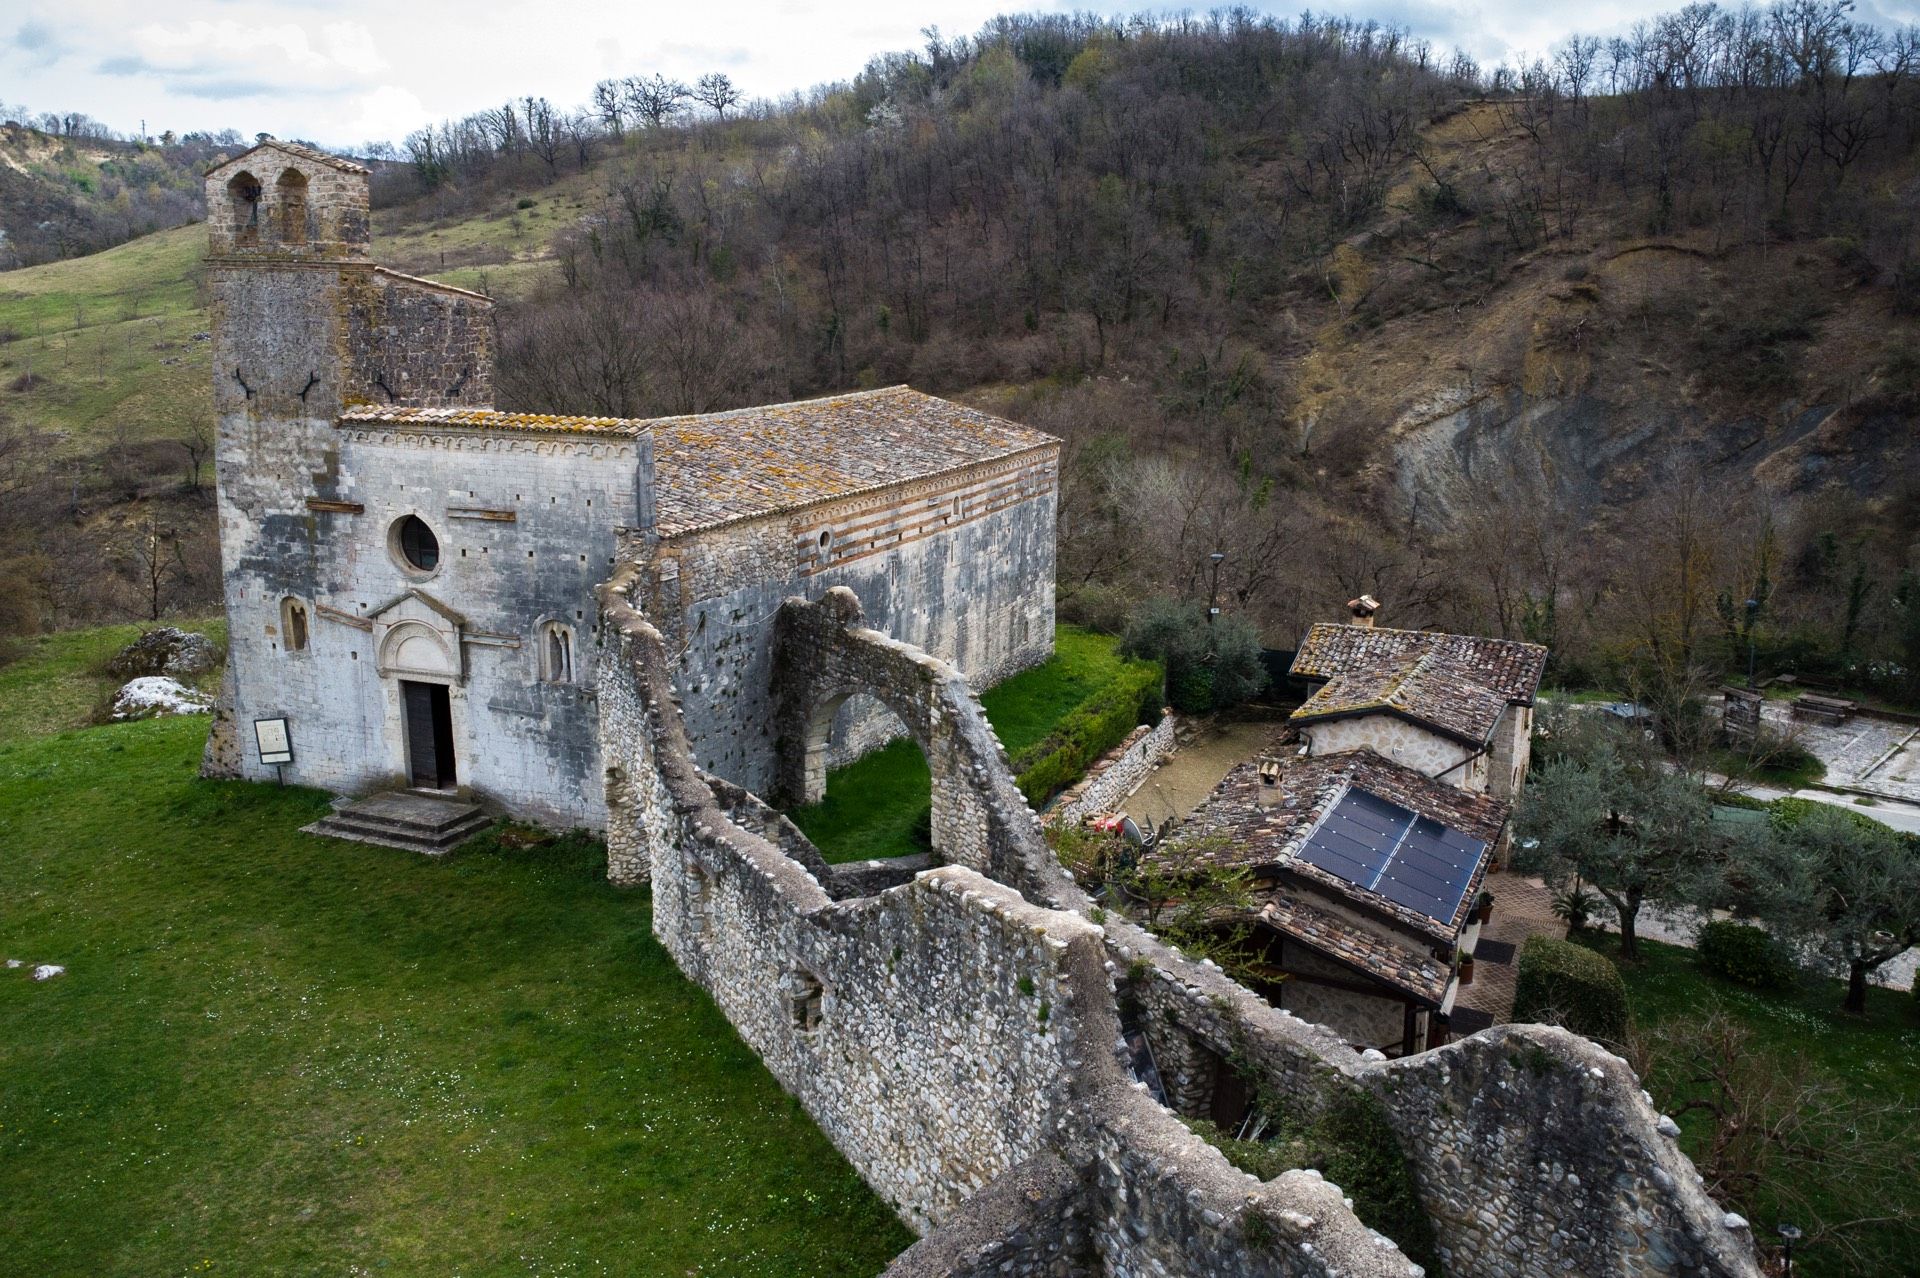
62 195
1301 294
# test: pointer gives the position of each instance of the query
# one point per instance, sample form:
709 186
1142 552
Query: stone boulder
165 651
151 696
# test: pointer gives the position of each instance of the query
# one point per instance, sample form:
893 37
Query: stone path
1865 752
1522 907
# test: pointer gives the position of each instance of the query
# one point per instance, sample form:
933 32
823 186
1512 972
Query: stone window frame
555 650
290 219
244 195
805 996
397 553
296 624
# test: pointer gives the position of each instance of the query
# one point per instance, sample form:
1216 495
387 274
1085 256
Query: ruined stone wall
944 1034
1530 1142
927 1059
1116 774
960 565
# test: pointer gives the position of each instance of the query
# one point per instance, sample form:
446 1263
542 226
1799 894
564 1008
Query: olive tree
1844 886
1607 810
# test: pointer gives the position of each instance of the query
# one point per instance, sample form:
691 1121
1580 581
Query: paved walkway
1522 907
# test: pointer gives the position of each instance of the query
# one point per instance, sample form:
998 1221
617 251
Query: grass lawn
1877 1057
54 682
879 805
274 1054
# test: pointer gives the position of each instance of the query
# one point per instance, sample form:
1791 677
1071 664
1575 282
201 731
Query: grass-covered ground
56 682
1876 1057
879 805
274 1054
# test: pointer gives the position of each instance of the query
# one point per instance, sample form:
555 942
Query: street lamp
1217 558
1753 611
1789 1235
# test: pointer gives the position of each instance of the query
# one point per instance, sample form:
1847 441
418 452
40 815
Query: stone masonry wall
1405 743
929 1029
1529 1141
1115 774
974 589
943 1034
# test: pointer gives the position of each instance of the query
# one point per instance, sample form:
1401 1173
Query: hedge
1096 726
1560 983
1744 955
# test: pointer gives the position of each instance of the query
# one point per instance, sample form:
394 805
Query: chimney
1269 791
1363 609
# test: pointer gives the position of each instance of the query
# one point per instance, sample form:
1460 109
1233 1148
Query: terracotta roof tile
720 467
1457 684
296 150
1422 975
1266 836
485 419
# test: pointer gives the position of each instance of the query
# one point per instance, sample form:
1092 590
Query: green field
276 1054
56 682
104 348
879 805
1876 1057
108 342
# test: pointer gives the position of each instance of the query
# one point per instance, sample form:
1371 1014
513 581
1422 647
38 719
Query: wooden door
429 715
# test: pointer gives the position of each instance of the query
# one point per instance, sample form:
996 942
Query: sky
346 72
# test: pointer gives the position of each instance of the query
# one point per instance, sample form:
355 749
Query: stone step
414 822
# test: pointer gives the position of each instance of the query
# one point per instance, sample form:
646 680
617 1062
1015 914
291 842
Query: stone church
410 572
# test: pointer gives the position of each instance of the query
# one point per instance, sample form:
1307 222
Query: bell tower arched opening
292 190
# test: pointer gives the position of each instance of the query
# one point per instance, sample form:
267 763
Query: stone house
1365 874
409 573
1458 708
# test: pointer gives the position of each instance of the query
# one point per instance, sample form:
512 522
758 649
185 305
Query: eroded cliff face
1589 379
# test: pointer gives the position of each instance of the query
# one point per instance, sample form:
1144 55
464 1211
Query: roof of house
1421 975
718 468
298 152
1267 832
486 419
1456 684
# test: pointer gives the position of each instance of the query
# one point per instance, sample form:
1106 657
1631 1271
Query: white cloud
343 71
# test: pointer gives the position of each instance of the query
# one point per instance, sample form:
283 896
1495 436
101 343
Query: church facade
409 572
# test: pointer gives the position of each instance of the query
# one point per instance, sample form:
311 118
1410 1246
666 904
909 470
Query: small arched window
293 624
556 653
293 207
243 194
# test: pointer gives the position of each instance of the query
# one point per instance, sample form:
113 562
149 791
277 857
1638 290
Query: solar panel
1411 860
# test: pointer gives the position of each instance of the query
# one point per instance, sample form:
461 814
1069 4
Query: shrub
1560 983
1744 955
1209 666
1788 813
1354 1145
1100 723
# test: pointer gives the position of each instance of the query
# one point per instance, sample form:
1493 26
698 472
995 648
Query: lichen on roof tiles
486 419
719 467
1458 684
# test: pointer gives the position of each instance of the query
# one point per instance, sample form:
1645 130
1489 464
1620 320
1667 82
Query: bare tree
716 91
655 99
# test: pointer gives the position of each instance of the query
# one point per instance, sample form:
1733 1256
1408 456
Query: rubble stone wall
953 1032
958 565
1116 774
